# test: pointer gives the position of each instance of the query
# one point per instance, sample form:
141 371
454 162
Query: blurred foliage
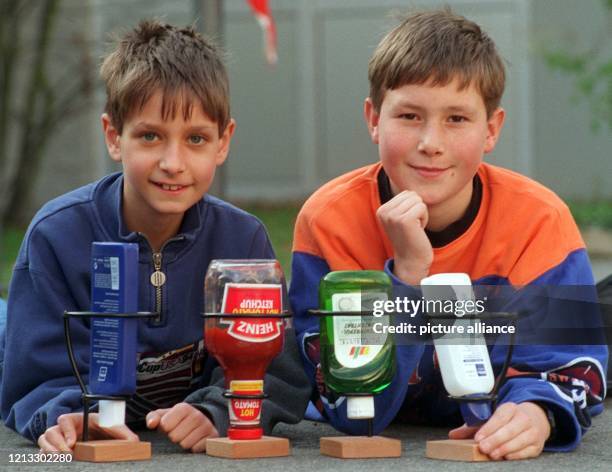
11 240
592 213
34 102
592 72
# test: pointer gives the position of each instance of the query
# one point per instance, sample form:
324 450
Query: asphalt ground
594 454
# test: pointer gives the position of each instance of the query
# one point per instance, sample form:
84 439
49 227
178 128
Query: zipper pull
158 278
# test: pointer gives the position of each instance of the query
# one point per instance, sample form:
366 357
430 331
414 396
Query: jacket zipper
158 278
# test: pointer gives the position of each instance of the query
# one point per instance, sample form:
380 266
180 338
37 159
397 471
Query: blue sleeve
261 248
38 384
569 379
307 271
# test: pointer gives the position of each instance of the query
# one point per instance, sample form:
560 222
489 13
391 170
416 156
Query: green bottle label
355 342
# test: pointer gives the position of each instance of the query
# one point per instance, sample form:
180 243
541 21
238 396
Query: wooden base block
360 447
455 450
111 450
248 448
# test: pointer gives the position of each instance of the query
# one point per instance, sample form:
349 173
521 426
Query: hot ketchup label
252 299
245 410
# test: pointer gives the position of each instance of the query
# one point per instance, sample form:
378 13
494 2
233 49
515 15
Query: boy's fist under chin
185 425
404 219
515 431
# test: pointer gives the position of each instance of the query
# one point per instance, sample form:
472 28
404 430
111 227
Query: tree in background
592 72
33 102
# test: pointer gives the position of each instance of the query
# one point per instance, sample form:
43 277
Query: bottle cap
448 286
475 413
360 408
112 413
251 433
448 278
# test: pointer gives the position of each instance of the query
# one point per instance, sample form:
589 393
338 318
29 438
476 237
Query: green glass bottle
355 360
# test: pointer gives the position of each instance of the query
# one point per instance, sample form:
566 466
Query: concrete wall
300 123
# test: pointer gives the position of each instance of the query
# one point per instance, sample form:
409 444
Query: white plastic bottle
464 362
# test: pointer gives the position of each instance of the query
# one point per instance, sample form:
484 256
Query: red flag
261 10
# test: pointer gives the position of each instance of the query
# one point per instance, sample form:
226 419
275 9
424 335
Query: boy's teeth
170 187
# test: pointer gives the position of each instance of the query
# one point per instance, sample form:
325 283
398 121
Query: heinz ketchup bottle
244 341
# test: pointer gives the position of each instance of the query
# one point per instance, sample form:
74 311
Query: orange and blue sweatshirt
520 234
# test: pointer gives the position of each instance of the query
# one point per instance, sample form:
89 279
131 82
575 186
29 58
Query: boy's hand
513 432
404 218
185 425
63 436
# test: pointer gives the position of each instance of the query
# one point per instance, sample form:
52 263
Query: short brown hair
180 62
437 47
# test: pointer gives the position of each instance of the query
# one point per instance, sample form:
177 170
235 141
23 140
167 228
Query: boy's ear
371 117
494 127
111 136
224 141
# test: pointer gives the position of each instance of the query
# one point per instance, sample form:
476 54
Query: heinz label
252 299
247 411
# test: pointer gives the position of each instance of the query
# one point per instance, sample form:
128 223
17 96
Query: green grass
9 247
592 213
279 221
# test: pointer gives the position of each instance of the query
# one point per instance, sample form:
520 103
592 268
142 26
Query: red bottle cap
252 433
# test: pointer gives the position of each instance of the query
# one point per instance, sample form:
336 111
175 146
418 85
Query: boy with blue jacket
432 206
167 120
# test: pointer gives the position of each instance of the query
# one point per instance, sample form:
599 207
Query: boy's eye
457 119
149 137
196 139
409 116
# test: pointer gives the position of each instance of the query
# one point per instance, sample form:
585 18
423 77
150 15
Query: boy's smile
168 164
431 140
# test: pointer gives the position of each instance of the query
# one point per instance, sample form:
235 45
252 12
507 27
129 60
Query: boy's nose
172 161
431 142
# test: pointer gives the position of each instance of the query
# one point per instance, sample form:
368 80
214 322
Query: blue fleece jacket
52 274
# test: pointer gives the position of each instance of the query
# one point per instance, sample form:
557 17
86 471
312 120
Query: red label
252 299
246 409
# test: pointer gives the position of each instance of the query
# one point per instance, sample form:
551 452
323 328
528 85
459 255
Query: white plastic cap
459 282
112 413
360 408
448 278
